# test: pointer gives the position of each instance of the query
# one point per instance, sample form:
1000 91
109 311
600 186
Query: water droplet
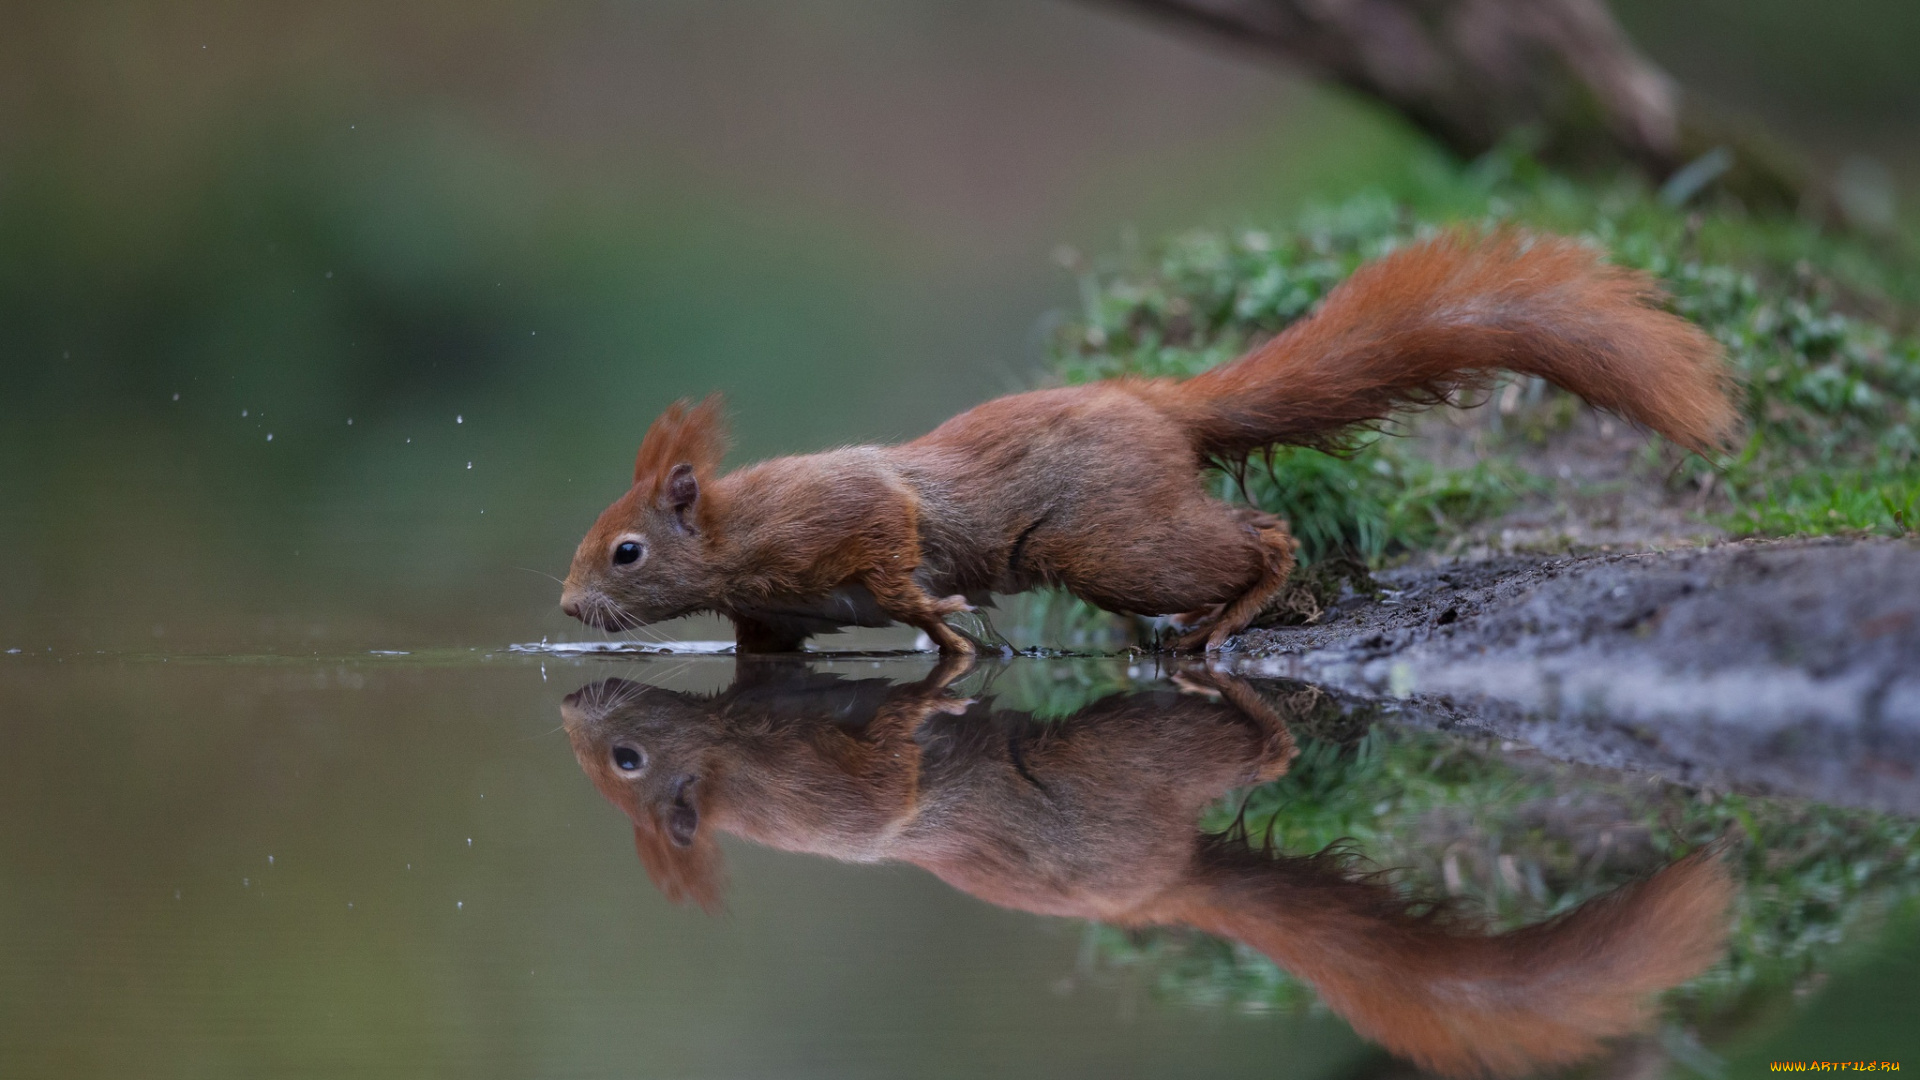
469 841
458 904
243 414
269 436
176 395
458 419
245 883
349 905
329 274
269 860
469 464
349 421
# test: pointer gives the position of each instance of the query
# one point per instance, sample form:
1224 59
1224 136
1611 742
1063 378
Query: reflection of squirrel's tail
1450 998
1444 314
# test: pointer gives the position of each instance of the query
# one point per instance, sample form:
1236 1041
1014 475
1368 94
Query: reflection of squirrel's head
784 757
649 753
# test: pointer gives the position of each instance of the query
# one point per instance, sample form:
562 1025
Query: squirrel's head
651 753
648 556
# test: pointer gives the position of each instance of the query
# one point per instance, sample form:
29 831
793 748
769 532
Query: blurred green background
327 328
335 324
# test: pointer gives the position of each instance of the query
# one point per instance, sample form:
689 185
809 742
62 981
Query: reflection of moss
1515 837
1521 839
1055 689
1865 1013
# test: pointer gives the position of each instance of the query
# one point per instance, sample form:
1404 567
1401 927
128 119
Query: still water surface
399 865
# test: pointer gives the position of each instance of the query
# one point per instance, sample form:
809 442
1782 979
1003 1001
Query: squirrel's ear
682 816
681 490
683 823
689 874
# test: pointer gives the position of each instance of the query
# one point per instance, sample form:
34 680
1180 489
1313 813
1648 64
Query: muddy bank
1782 667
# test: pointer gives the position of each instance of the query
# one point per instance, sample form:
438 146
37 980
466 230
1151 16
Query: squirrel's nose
570 603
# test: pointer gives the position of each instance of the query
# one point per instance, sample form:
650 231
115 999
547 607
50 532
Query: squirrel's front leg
892 555
753 636
902 598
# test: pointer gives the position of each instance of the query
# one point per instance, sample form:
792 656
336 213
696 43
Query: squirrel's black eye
628 759
627 552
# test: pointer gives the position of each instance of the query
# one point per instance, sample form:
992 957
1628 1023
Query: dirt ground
1771 667
1602 483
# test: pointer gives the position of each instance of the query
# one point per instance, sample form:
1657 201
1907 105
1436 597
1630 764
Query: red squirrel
1095 815
1100 489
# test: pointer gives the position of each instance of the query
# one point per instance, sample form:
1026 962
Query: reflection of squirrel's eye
626 553
628 759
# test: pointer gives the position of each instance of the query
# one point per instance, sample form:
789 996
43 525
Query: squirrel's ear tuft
686 434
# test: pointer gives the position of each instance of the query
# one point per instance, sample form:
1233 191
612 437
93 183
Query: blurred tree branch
1473 72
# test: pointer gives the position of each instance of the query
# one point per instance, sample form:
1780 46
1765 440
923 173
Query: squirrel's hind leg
1205 616
1277 548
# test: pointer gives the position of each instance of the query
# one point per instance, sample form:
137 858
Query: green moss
1832 398
1830 501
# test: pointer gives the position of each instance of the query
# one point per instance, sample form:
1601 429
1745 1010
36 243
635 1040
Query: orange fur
1435 318
686 432
1099 489
1093 816
1443 992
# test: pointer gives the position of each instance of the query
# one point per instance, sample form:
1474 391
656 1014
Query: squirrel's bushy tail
1442 315
1446 995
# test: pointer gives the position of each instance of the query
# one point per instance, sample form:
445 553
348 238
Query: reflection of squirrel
1098 489
1094 816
